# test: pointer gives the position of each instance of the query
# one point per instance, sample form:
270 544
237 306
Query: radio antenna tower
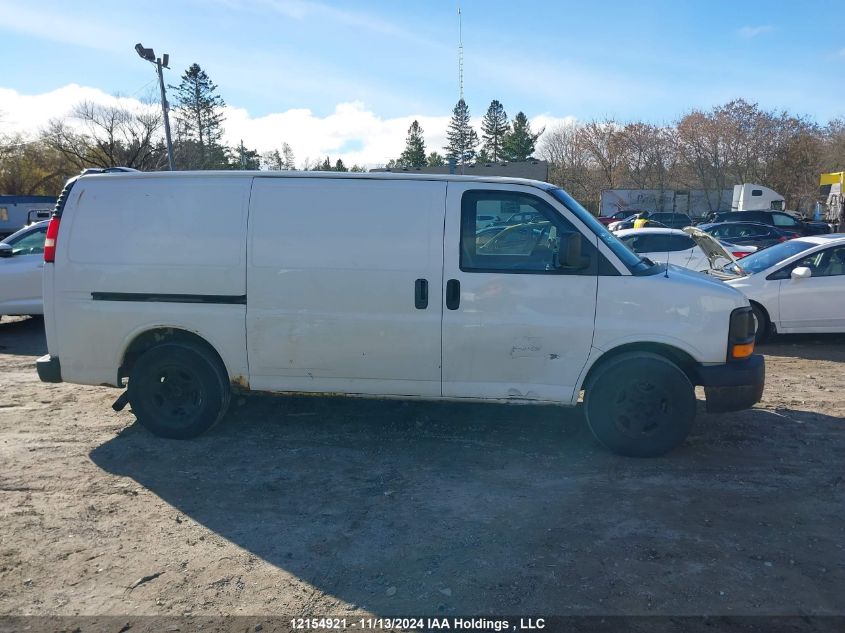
460 54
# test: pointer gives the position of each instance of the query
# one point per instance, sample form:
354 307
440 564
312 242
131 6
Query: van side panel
333 266
139 253
158 235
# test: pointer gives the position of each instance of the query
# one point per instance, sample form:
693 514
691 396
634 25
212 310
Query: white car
682 248
21 264
797 286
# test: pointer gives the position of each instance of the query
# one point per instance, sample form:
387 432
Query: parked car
625 223
748 233
669 220
191 284
796 286
779 219
21 263
679 248
616 217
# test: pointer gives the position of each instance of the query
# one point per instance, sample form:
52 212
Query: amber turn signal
742 350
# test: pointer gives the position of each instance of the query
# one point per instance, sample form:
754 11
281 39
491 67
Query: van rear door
344 285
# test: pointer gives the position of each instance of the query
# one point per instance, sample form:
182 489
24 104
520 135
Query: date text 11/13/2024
426 624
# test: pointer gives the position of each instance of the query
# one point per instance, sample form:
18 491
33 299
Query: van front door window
522 236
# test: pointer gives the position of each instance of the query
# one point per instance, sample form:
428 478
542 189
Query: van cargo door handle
453 294
421 294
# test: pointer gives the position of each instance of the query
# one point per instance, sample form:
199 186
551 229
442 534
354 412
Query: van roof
134 175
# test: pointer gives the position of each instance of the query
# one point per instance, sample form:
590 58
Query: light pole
160 62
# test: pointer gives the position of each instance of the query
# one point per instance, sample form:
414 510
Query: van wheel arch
157 336
679 357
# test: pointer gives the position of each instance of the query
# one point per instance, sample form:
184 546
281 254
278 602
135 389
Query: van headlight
741 334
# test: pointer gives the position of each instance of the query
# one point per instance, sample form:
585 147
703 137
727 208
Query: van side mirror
569 252
5 250
802 272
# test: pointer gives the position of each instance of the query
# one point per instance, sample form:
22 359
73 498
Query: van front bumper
49 369
733 386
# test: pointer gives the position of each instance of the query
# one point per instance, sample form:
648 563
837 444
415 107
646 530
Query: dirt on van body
315 506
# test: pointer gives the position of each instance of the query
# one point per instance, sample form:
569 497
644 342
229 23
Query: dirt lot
316 505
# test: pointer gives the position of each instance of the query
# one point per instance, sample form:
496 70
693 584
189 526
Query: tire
639 405
178 390
762 322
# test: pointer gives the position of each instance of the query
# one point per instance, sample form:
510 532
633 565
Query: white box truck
191 285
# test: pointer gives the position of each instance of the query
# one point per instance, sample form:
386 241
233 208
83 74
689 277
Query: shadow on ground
426 508
22 336
829 347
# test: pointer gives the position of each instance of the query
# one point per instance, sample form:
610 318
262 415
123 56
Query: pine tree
339 166
461 136
494 127
435 160
287 157
519 142
272 161
414 152
199 120
242 158
482 157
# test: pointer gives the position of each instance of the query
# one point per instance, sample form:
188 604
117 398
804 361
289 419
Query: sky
346 79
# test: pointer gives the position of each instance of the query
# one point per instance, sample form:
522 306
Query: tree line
501 140
96 135
704 149
712 150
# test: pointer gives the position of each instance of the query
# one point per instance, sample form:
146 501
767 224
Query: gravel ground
329 506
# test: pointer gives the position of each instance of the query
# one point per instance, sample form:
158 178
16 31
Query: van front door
344 285
516 324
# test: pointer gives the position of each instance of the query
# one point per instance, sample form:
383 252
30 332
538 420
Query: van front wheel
178 390
639 404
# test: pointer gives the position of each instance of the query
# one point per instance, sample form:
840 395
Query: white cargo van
191 285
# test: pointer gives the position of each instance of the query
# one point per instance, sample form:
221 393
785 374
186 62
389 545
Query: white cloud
27 114
753 31
351 132
550 122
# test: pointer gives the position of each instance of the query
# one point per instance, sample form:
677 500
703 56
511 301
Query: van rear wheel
639 405
178 390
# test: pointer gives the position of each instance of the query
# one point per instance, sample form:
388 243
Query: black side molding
168 298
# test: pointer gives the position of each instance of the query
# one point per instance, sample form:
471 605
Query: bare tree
569 163
647 155
833 152
30 167
602 141
109 136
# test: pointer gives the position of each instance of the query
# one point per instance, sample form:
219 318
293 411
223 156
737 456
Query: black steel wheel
639 404
178 390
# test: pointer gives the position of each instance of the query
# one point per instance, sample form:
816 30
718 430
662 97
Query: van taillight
50 240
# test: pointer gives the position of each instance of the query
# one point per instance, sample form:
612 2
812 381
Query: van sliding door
344 285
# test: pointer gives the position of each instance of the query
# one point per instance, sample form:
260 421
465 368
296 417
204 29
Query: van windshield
634 262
